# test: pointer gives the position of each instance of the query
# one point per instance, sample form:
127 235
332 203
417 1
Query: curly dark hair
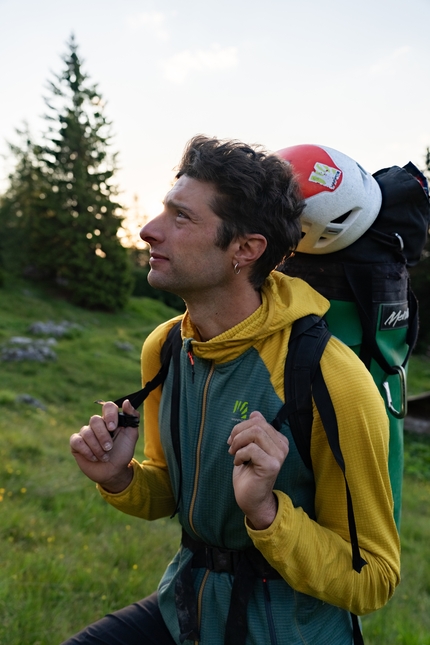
256 193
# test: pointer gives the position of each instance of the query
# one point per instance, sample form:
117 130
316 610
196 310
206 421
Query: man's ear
249 248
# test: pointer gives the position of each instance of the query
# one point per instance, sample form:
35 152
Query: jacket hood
284 300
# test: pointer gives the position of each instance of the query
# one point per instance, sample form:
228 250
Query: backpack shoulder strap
170 352
309 336
303 380
328 418
171 347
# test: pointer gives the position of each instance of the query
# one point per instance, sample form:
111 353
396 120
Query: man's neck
212 317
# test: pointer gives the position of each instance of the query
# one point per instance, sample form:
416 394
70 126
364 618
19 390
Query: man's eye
181 215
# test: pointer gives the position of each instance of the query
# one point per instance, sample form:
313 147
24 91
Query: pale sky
350 75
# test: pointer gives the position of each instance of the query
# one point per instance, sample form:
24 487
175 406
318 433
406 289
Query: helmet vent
341 218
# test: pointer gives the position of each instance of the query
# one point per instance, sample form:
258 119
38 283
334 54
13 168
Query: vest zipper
199 445
191 359
269 614
200 600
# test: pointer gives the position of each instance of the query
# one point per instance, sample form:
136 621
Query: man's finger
110 415
78 446
271 441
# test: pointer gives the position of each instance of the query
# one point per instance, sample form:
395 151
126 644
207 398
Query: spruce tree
71 210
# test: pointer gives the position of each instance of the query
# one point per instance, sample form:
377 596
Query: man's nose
152 231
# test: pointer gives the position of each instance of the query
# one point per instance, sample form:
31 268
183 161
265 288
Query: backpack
372 307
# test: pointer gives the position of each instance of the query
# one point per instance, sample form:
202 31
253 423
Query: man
265 554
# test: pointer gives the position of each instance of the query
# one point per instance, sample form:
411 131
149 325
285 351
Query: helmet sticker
325 175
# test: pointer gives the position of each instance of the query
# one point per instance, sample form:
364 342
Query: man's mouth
156 258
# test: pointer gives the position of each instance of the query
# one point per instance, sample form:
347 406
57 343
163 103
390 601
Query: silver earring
236 268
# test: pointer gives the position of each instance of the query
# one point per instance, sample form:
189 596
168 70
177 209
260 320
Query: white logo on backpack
394 315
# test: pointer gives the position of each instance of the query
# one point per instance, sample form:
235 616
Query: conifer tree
71 208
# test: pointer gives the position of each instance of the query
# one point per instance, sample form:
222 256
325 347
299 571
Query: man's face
184 258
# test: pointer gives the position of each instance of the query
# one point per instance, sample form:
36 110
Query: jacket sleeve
149 495
315 557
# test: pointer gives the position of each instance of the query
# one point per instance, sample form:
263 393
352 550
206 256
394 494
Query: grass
67 558
406 618
419 374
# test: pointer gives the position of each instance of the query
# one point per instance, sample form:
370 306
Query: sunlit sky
350 75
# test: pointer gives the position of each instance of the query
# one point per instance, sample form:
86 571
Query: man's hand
259 452
102 458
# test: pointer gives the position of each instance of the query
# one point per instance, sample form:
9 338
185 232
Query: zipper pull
266 590
191 359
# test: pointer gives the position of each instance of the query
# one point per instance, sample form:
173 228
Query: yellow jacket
312 553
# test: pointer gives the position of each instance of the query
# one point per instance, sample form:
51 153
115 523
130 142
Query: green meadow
66 557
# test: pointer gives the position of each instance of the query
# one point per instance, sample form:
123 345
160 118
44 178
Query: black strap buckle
222 560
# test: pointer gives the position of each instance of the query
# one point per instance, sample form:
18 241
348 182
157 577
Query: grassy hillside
67 558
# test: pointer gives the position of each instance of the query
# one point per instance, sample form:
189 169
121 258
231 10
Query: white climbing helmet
342 199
